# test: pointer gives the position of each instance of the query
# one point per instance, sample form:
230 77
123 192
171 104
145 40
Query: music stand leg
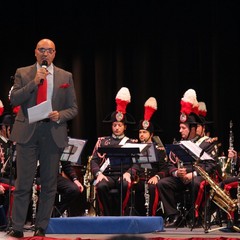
10 191
133 211
121 190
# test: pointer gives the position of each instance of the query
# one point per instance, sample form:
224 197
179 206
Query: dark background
155 48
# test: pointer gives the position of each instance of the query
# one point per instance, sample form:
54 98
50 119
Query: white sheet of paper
39 112
73 156
141 146
196 150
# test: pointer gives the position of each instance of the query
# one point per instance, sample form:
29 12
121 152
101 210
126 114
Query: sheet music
73 151
141 146
196 150
147 155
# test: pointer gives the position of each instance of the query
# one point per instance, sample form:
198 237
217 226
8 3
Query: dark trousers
107 204
67 192
169 187
146 200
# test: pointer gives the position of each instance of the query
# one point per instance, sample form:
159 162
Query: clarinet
238 195
2 159
229 160
34 201
231 141
146 192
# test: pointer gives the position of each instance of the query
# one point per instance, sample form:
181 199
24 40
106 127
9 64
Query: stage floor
168 233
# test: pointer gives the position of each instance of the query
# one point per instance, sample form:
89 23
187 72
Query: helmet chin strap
147 139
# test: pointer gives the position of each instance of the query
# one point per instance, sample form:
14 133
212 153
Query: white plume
151 102
124 94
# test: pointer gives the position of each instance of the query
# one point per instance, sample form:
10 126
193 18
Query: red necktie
42 92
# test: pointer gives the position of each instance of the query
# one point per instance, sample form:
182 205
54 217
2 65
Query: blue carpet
105 225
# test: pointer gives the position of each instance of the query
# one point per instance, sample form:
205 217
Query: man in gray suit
43 140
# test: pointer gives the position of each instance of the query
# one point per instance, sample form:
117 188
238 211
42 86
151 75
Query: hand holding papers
39 112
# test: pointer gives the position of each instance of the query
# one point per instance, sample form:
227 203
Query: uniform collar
118 137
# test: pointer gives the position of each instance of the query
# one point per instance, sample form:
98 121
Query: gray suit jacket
24 93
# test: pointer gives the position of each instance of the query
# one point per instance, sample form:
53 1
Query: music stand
119 155
145 160
74 150
188 151
71 153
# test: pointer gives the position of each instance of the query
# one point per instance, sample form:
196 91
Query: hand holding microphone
43 65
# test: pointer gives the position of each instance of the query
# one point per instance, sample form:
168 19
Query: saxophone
90 190
218 195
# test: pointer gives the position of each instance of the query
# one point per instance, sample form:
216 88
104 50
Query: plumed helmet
202 109
189 108
123 98
1 108
15 109
7 119
150 107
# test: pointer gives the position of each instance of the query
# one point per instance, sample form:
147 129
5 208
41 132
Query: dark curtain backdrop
155 48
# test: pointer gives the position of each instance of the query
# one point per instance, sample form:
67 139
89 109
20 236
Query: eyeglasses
49 50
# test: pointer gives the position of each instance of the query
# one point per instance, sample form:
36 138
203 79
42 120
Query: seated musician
203 131
7 164
146 193
68 188
231 186
107 175
182 174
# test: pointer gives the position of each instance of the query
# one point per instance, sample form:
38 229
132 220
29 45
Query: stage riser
105 225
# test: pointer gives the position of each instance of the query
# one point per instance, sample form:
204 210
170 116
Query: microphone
43 65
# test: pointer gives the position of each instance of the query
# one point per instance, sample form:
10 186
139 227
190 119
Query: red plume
150 107
123 98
